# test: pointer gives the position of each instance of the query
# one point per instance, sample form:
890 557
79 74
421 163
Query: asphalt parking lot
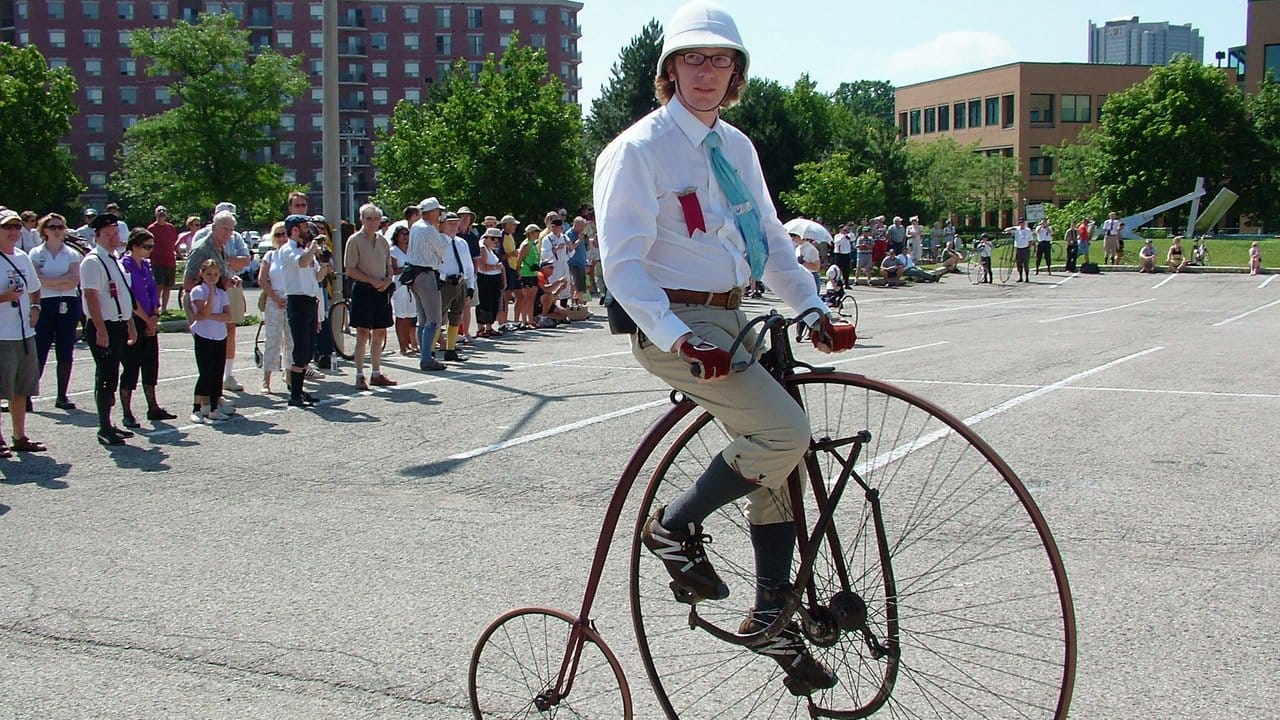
341 562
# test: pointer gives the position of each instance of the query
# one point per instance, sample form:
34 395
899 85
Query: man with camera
427 251
302 301
459 283
367 258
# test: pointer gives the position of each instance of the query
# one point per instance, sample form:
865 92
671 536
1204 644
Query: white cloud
950 53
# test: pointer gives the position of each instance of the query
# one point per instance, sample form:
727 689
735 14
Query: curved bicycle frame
782 364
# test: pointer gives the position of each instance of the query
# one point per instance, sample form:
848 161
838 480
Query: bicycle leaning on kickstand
927 578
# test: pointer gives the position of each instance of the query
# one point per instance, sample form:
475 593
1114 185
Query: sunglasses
149 247
277 234
55 227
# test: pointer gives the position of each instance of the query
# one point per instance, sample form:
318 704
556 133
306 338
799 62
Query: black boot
126 403
64 380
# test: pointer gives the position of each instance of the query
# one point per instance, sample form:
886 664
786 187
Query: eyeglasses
55 227
694 59
149 247
277 234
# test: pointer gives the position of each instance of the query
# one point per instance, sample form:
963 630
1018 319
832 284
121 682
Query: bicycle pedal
684 594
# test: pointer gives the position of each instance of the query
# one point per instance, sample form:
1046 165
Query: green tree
36 105
996 179
504 143
829 189
944 176
1263 184
207 148
1185 120
871 98
629 95
788 127
1078 165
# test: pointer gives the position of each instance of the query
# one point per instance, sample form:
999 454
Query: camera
453 279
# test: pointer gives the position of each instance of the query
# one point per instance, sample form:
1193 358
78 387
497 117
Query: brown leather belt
731 300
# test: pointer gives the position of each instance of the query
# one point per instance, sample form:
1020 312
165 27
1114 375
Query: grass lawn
1222 253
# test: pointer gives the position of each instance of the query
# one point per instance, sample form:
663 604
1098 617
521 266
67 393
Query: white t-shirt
210 329
1044 233
844 244
15 322
806 253
102 272
833 277
55 266
490 258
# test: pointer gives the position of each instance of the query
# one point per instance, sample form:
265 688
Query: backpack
1089 268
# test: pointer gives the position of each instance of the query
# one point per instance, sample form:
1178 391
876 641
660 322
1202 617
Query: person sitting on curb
1147 257
1176 260
891 268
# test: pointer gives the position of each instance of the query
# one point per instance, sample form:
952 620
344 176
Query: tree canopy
629 94
36 106
207 149
504 142
830 189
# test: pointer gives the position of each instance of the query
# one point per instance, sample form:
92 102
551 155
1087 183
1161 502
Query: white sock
229 369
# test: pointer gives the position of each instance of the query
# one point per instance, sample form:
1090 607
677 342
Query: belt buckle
734 301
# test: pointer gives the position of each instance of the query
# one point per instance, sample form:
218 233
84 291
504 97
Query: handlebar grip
695 369
740 366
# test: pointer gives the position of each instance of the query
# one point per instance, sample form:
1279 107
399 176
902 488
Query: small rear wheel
516 667
1006 262
257 345
344 340
974 267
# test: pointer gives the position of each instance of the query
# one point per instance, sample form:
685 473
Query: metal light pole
332 198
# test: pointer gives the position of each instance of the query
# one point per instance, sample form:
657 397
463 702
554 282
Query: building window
506 16
128 121
959 113
56 63
1075 108
317 94
411 13
444 44
944 118
288 150
125 38
93 95
1041 166
92 10
92 38
538 40
1102 100
931 120
57 10
475 45
442 69
284 38
1041 108
413 95
380 96
128 96
284 11
94 123
539 16
1007 110
159 11
975 113
162 95
564 16
504 41
124 10
317 121
1271 60
97 179
317 39
992 111
378 41
475 18
317 148
378 13
287 123
97 151
411 41
474 68
379 68
412 68
93 67
915 122
317 179
291 177
128 67
20 9
444 17
382 122
317 11
317 66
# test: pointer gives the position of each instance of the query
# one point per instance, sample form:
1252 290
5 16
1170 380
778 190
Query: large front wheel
967 609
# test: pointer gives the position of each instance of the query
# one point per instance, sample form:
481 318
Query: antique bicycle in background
925 577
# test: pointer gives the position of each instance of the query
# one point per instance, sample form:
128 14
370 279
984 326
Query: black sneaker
804 673
682 552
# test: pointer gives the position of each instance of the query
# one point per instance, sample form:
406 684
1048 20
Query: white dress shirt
100 271
427 247
298 280
450 265
644 243
844 244
1021 237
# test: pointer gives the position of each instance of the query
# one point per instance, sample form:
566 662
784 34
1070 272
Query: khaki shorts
19 371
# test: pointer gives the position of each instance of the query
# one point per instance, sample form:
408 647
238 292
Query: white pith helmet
702 24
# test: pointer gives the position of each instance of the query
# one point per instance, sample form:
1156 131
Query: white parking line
1063 280
955 309
1268 281
1095 312
1246 314
925 440
1162 282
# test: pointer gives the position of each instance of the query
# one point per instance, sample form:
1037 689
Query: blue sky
903 42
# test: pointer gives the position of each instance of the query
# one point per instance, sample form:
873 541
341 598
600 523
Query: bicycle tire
536 647
344 341
957 521
974 268
1005 271
258 356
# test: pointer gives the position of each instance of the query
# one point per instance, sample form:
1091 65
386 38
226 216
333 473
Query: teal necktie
744 208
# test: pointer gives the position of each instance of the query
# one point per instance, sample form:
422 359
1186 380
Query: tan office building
1014 110
1262 45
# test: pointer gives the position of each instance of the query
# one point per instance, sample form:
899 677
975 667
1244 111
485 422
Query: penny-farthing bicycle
925 577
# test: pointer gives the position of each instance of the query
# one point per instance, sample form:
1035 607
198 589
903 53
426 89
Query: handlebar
772 323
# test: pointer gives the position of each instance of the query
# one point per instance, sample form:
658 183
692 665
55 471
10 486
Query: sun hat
702 24
429 204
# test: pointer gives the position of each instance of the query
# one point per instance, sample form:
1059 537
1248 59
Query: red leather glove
839 336
706 361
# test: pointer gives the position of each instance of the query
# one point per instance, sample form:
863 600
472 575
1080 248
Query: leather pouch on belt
620 323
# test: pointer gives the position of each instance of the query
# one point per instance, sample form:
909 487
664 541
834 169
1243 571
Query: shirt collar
692 127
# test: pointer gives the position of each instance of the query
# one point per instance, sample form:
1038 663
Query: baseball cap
225 206
7 216
429 204
98 222
449 216
90 212
295 220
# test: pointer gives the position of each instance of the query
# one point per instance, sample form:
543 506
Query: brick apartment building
390 50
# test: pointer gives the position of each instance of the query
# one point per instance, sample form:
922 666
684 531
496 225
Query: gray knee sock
719 485
774 546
